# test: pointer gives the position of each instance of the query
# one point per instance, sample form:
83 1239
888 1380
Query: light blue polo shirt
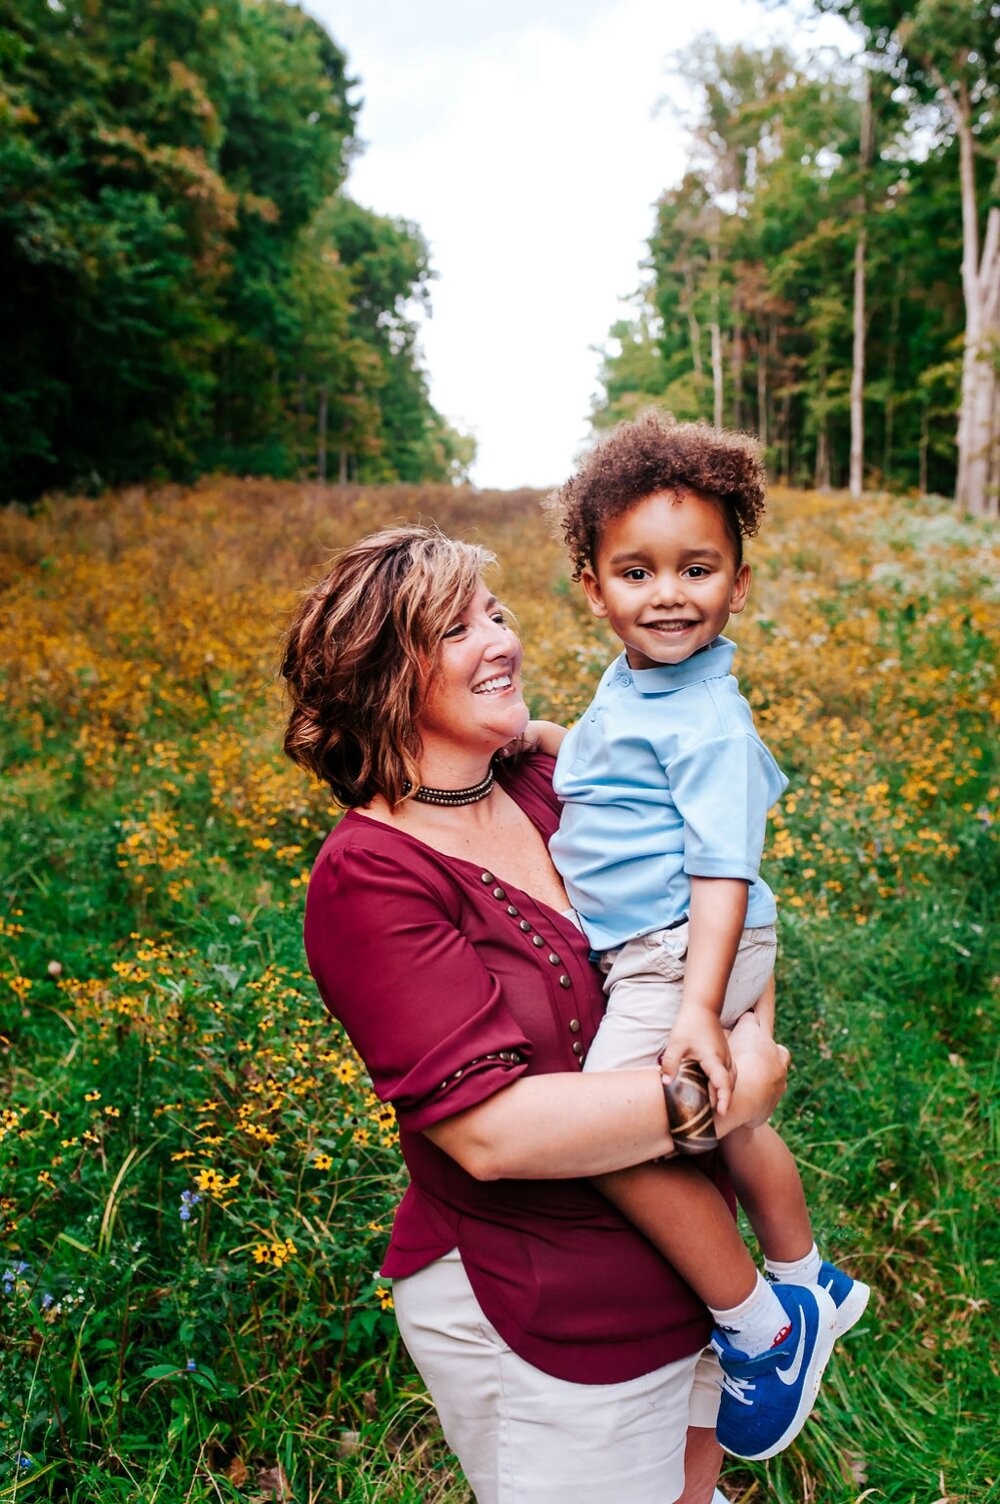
663 778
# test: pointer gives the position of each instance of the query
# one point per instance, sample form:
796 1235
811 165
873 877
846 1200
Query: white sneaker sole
850 1310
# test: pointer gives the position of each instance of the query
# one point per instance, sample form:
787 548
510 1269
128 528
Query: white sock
757 1323
798 1272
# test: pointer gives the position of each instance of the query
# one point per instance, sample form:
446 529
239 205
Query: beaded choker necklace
454 796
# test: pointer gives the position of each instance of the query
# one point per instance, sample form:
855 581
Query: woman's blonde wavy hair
360 652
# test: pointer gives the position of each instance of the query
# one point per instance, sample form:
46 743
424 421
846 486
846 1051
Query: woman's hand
761 1074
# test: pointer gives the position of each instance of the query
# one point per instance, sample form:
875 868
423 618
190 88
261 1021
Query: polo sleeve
423 1012
723 789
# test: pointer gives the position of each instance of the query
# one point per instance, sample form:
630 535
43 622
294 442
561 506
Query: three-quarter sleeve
420 1007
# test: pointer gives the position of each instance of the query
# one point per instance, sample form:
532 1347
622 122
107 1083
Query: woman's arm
561 1125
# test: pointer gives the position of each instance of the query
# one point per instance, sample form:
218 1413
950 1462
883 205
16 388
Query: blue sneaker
766 1400
849 1297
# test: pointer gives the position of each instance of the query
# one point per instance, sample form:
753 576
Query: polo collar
713 662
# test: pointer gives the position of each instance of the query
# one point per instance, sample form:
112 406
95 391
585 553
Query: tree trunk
301 448
822 475
822 457
981 388
694 328
925 439
342 476
737 361
892 347
716 337
976 482
321 436
857 472
762 395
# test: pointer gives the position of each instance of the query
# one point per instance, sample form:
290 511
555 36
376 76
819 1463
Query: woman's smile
480 656
494 685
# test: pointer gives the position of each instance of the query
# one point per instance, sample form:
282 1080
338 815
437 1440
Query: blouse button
525 926
565 981
577 1047
487 877
574 1026
512 911
553 958
499 893
537 940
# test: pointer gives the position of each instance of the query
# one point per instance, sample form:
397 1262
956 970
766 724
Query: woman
562 1352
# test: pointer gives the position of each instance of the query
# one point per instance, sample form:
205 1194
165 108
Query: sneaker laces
738 1389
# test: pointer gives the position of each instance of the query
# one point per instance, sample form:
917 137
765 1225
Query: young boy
666 787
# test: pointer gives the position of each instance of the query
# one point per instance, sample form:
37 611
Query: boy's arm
764 1008
716 919
542 736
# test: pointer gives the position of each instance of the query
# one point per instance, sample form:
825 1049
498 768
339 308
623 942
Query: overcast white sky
521 137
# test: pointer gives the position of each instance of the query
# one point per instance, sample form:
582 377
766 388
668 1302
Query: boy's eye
697 571
636 574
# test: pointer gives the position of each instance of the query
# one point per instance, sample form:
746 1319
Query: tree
190 287
859 318
114 228
831 291
948 54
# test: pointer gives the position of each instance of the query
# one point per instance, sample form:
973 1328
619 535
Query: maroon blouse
451 984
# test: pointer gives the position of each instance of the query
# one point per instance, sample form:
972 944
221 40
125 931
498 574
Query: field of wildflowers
195 1177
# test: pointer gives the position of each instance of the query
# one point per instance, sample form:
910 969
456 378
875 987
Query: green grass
243 1352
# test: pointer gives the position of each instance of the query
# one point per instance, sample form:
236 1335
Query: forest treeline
186 285
827 273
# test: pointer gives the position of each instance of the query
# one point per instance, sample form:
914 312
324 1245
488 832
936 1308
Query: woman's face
474 695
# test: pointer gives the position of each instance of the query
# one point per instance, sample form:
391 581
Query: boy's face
666 577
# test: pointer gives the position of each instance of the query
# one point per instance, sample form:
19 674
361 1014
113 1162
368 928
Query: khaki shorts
524 1437
644 982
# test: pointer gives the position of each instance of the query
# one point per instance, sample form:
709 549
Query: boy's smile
666 578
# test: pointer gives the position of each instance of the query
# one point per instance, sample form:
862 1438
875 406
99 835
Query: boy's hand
698 1035
537 736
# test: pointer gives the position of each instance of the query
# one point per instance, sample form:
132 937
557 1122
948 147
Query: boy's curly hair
654 454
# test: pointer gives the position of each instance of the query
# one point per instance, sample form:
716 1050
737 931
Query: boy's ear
741 589
592 590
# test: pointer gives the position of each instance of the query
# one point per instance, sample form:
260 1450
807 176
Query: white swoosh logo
790 1374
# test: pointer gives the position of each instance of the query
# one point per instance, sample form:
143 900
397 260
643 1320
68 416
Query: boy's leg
644 981
680 1211
773 1343
764 1172
682 1214
770 1191
767 1183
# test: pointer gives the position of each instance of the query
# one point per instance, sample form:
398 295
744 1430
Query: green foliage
187 286
758 240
